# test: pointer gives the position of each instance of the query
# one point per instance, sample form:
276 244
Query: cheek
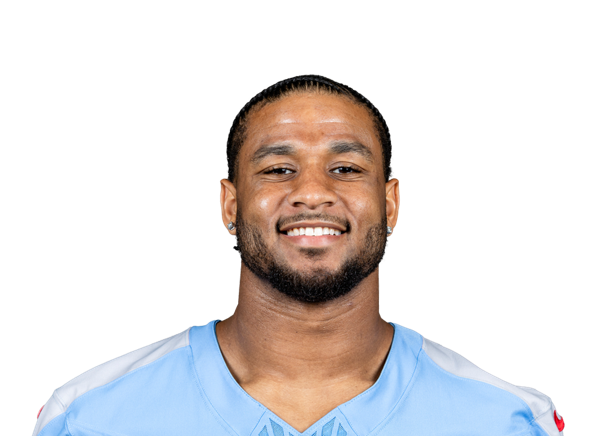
365 206
265 205
260 201
266 200
360 206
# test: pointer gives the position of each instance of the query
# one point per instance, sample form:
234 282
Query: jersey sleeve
52 419
548 422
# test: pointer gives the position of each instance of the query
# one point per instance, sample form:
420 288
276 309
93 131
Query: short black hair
299 84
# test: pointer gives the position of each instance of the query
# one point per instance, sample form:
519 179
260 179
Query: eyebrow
339 147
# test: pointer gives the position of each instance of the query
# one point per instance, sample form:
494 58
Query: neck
274 339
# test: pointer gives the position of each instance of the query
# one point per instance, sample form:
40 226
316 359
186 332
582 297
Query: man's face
311 162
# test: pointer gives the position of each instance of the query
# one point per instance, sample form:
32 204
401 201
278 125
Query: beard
319 284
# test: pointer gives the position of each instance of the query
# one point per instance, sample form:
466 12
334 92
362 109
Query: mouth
313 241
313 231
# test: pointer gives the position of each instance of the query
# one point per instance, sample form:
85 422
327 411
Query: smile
313 231
313 241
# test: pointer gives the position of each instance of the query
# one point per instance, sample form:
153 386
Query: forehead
311 119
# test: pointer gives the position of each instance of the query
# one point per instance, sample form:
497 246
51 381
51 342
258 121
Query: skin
301 360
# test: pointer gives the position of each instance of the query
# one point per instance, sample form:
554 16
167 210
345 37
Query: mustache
312 216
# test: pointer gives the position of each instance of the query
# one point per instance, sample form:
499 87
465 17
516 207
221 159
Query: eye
275 170
279 171
345 170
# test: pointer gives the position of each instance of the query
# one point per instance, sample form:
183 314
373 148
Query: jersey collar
242 414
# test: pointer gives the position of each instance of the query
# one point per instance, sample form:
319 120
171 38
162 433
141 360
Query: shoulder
531 405
119 367
108 373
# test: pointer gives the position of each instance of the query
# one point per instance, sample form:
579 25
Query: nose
312 190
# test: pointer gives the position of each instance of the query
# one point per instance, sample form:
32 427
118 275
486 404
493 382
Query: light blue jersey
181 386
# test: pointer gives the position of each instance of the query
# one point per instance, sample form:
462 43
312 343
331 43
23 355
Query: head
310 155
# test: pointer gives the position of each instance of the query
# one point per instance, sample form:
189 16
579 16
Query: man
311 203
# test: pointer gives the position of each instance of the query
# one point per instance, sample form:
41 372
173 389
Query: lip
313 241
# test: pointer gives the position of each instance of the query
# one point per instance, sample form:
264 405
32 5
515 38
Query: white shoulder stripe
105 373
540 405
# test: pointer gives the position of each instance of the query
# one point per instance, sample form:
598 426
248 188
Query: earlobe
231 226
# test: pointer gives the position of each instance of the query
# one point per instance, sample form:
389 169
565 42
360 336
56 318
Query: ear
228 203
392 202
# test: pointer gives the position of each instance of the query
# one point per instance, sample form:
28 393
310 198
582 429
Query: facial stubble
310 285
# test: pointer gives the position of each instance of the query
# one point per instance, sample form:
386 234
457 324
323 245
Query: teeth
313 231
